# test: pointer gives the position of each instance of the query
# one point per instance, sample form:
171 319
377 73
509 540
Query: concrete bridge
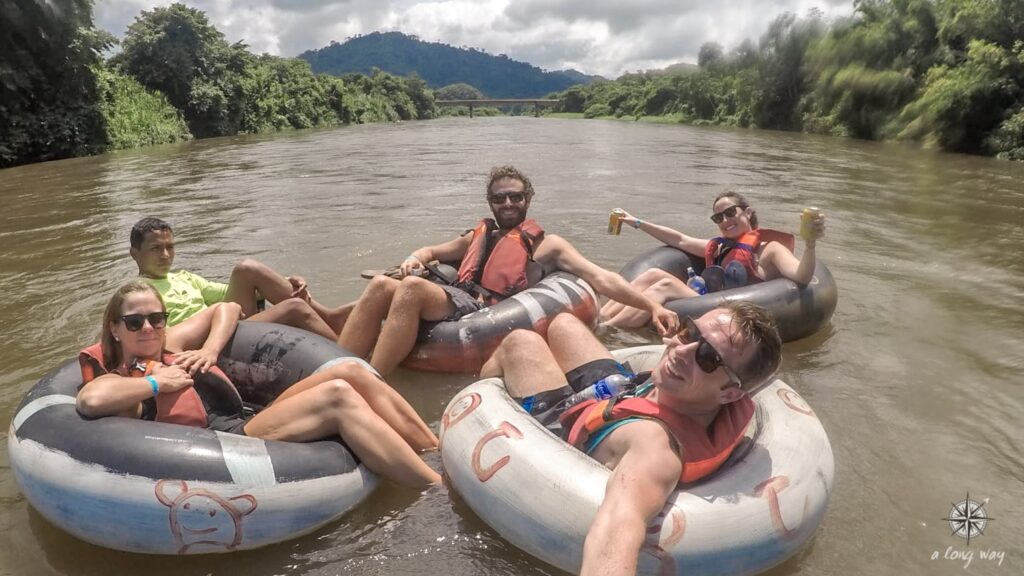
537 103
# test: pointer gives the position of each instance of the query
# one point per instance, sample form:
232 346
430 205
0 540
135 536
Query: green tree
177 51
709 54
48 96
458 91
962 104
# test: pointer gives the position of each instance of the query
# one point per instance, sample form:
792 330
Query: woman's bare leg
384 400
642 282
335 407
662 291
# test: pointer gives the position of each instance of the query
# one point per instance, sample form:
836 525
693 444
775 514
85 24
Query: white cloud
606 37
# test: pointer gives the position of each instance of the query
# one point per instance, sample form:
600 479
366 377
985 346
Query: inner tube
464 345
541 494
799 311
159 488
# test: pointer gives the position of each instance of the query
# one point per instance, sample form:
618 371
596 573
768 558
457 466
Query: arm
785 263
116 395
639 485
558 252
452 250
201 338
669 236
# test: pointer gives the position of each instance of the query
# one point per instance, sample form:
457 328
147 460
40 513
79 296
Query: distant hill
440 65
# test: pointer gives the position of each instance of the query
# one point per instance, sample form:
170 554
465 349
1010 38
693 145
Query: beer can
806 217
615 221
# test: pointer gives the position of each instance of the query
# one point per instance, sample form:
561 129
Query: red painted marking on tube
770 489
460 410
504 429
795 402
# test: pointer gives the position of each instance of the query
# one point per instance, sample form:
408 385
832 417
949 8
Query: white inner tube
541 494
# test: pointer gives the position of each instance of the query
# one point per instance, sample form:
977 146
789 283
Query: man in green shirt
185 293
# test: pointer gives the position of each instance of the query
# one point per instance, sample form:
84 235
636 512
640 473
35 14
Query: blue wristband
637 223
153 383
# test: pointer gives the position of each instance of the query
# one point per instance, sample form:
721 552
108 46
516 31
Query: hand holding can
812 224
615 221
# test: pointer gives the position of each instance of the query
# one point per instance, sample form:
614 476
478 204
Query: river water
918 379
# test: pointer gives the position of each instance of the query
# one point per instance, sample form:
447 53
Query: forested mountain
440 65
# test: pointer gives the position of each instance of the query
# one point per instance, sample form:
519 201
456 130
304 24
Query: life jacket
184 406
721 251
702 450
498 267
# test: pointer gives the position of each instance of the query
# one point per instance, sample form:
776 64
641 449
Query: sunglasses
500 198
708 359
135 322
729 212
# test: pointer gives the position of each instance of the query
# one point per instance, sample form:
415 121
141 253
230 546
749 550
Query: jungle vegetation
946 73
175 78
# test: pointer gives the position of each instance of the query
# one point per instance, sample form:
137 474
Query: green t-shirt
186 294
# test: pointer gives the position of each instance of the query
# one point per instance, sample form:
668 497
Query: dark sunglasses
707 357
729 212
500 198
135 322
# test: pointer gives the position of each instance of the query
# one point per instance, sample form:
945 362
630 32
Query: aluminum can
615 221
806 217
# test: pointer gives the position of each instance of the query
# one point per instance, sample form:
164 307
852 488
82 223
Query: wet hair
758 329
741 201
145 226
112 348
509 171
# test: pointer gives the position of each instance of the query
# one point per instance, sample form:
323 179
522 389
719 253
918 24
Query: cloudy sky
606 37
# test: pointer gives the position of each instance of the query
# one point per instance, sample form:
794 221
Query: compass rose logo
967 519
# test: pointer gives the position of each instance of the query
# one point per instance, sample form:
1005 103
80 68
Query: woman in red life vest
764 254
132 373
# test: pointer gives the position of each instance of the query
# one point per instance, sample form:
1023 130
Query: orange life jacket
182 407
702 449
721 251
498 267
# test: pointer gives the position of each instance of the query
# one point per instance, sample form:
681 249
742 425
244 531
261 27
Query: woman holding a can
742 249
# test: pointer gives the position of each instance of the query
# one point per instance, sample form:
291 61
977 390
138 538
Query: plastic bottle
696 283
604 388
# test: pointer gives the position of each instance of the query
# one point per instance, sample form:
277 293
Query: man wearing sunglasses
675 424
500 258
186 294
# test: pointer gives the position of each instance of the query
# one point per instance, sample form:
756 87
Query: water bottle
696 283
604 388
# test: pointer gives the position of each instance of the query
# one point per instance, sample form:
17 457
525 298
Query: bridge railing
536 102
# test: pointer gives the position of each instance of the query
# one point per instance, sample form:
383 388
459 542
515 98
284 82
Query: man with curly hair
500 257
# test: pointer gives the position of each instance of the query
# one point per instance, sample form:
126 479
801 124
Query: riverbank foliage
175 77
947 73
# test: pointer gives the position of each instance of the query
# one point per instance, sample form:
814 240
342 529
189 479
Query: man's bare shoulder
550 248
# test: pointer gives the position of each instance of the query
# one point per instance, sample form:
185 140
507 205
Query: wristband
153 383
637 223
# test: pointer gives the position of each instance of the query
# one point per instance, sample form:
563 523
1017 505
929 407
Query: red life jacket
499 267
702 451
182 407
721 251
